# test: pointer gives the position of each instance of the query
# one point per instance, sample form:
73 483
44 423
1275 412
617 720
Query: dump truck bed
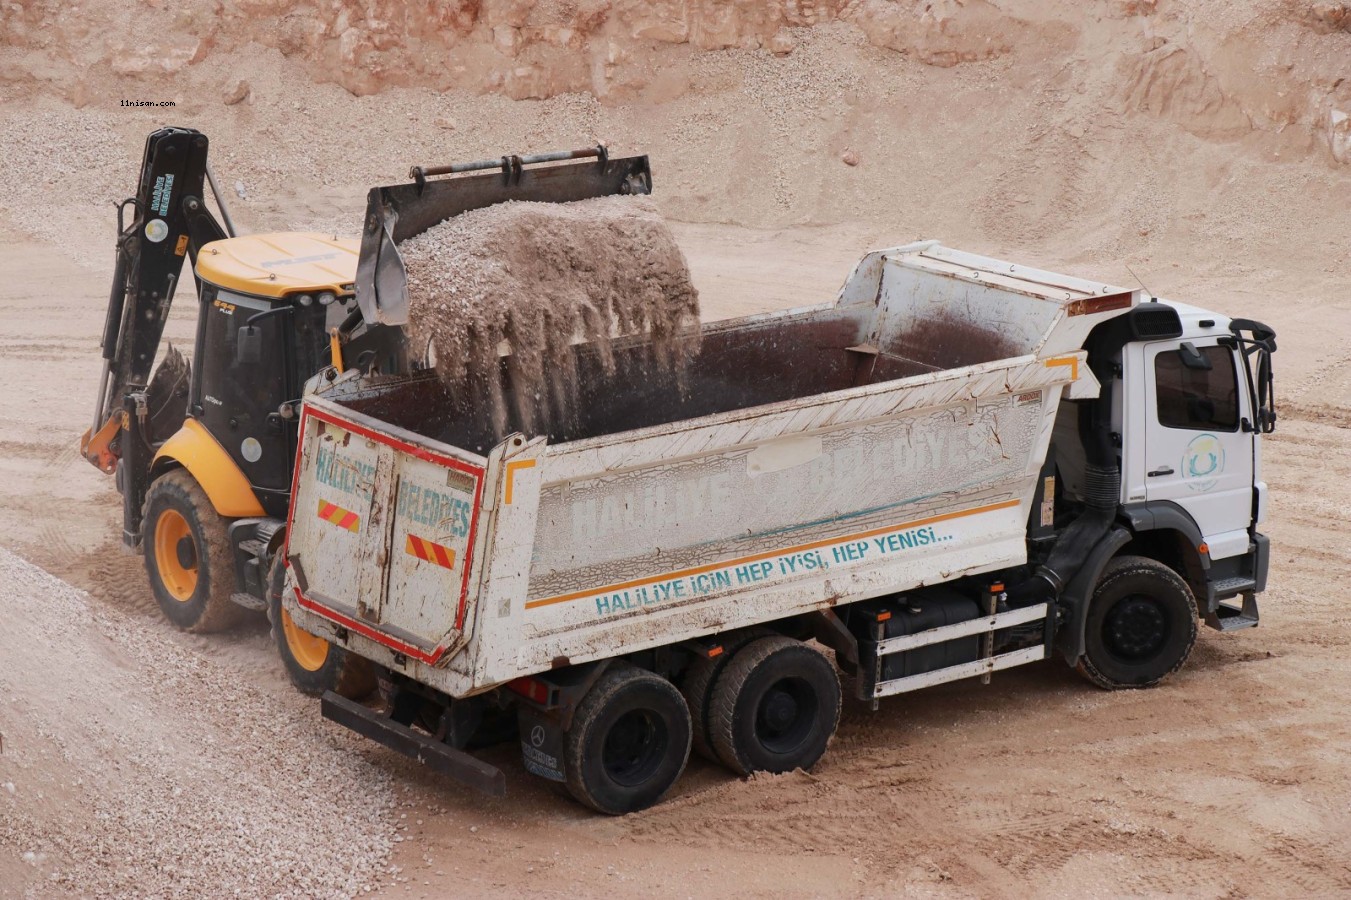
808 458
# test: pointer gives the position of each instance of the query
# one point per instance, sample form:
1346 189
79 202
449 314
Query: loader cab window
1195 397
220 379
237 401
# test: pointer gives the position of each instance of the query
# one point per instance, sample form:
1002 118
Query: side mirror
249 346
1193 358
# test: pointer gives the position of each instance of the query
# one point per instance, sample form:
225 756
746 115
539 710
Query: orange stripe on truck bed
429 551
343 518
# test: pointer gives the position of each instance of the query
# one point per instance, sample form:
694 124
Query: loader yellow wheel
188 556
312 663
309 652
176 555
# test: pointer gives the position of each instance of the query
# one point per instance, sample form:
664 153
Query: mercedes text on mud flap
961 466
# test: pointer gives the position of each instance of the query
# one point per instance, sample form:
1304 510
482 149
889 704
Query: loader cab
267 304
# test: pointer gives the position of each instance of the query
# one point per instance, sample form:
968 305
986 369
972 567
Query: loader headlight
326 298
304 299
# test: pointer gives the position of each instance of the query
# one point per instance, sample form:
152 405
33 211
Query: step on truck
960 466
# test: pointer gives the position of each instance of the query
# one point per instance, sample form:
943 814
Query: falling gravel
133 766
534 278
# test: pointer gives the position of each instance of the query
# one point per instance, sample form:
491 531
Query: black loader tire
697 684
1141 625
628 742
191 577
339 671
775 707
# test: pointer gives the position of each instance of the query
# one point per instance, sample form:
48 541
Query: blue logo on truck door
1203 462
349 476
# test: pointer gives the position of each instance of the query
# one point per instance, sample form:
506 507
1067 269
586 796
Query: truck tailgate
382 531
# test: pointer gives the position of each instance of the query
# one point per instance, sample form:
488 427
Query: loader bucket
398 212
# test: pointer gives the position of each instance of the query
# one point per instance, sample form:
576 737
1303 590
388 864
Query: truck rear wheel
312 663
1141 625
628 743
699 678
188 556
775 707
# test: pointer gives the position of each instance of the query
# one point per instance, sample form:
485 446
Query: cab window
1197 398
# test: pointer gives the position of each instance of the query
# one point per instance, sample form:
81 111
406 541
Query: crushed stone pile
537 277
133 766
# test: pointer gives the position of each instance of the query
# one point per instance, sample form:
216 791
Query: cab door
1198 442
238 401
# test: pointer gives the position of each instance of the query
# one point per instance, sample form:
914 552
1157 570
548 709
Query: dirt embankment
1211 67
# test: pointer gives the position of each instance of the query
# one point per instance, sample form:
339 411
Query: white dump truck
960 466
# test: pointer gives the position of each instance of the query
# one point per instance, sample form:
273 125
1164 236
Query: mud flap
541 744
414 744
1079 592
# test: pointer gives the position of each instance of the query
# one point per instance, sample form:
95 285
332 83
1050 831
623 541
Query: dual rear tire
628 742
772 706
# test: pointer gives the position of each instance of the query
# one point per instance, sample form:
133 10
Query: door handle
1162 470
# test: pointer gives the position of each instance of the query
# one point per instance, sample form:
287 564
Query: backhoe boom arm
169 223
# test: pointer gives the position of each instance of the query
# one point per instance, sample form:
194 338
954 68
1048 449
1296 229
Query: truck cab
1191 455
1193 446
1188 404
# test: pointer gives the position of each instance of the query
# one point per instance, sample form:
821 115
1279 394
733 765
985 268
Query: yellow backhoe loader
203 453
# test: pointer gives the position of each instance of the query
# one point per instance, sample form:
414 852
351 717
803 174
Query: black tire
1141 625
629 741
337 670
697 685
188 556
775 707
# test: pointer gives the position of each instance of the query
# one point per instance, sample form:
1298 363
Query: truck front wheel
628 742
312 663
1141 625
188 556
775 707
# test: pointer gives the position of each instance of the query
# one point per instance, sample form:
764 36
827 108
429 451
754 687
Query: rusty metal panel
429 551
393 566
335 516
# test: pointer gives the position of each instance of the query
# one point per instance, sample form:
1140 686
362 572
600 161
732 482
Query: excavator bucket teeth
398 212
167 395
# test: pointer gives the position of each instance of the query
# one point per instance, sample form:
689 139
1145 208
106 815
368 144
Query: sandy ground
1229 780
136 767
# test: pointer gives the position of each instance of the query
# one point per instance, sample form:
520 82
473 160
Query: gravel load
537 277
132 766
